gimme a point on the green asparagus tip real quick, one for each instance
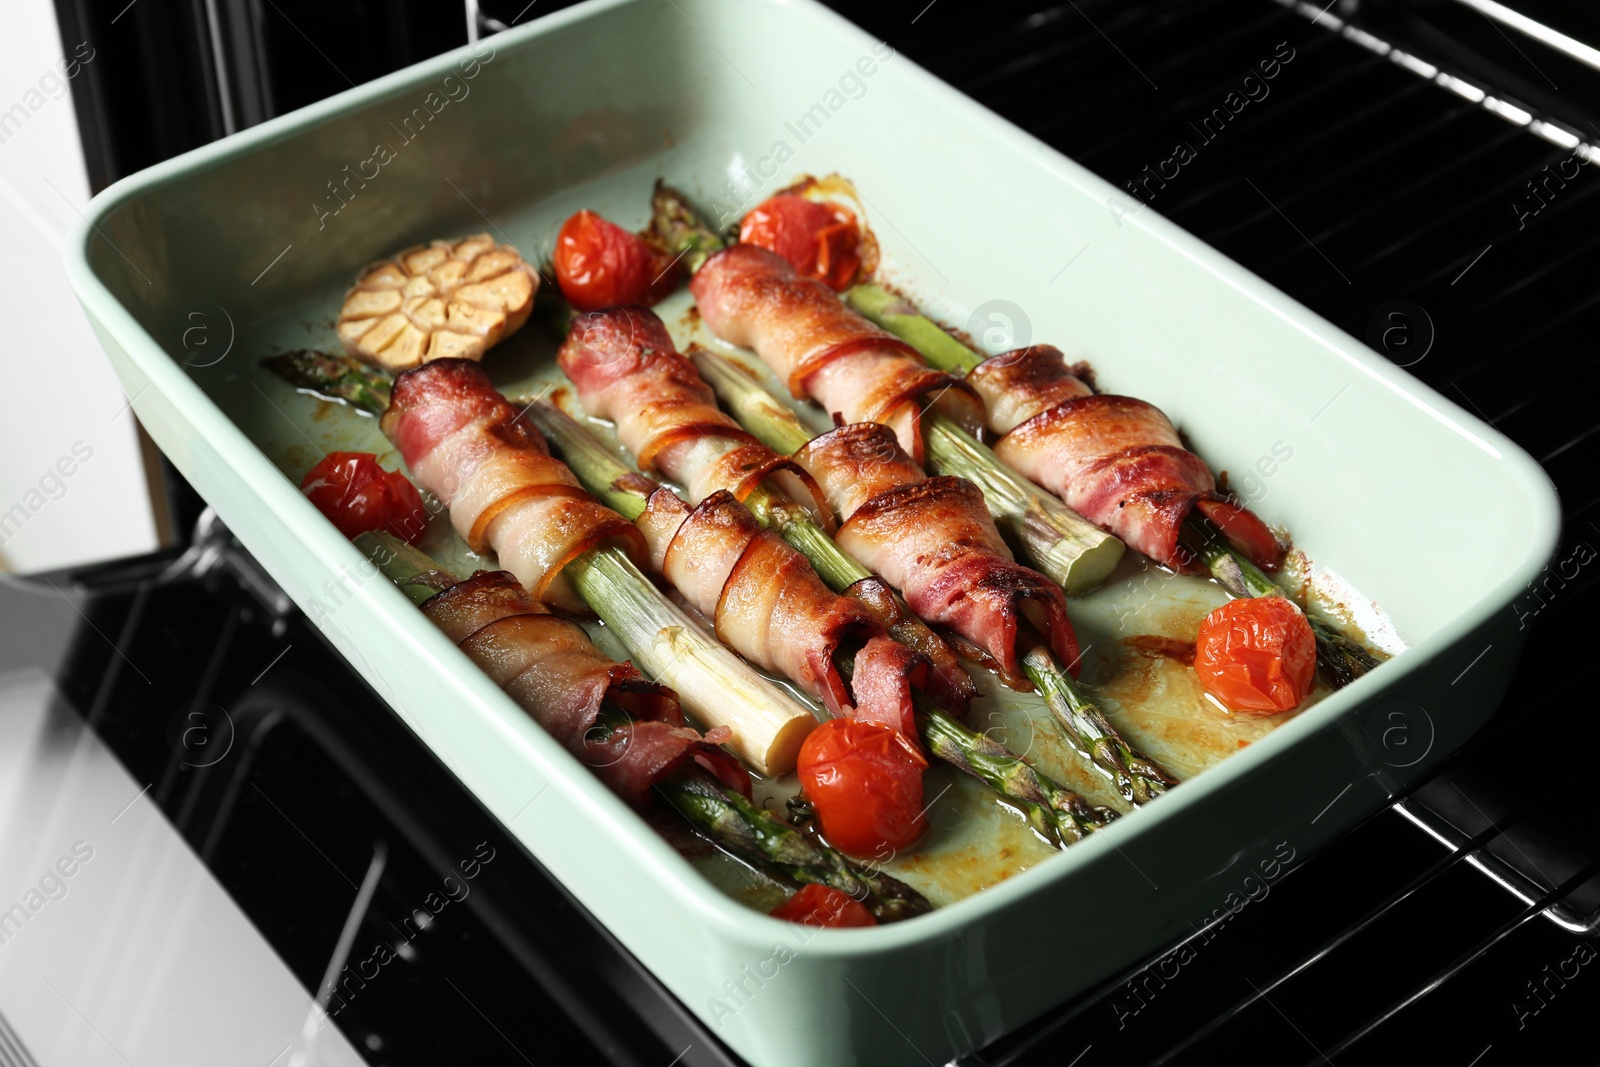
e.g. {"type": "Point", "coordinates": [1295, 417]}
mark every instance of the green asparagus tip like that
{"type": "Point", "coordinates": [334, 376]}
{"type": "Point", "coordinates": [1138, 778]}
{"type": "Point", "coordinates": [1342, 658]}
{"type": "Point", "coordinates": [756, 836]}
{"type": "Point", "coordinates": [680, 229]}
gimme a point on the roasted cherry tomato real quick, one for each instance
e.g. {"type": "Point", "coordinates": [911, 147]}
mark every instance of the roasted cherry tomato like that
{"type": "Point", "coordinates": [819, 240]}
{"type": "Point", "coordinates": [1256, 654]}
{"type": "Point", "coordinates": [600, 265]}
{"type": "Point", "coordinates": [823, 905]}
{"type": "Point", "coordinates": [865, 782]}
{"type": "Point", "coordinates": [358, 496]}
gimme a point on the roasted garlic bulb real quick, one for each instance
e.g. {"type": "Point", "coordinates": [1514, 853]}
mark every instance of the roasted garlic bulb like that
{"type": "Point", "coordinates": [448, 299]}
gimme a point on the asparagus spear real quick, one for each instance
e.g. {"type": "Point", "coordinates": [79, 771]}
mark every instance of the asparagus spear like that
{"type": "Point", "coordinates": [1057, 814]}
{"type": "Point", "coordinates": [339, 377]}
{"type": "Point", "coordinates": [724, 815]}
{"type": "Point", "coordinates": [1066, 547]}
{"type": "Point", "coordinates": [1054, 812]}
{"type": "Point", "coordinates": [717, 685]}
{"type": "Point", "coordinates": [1343, 659]}
{"type": "Point", "coordinates": [897, 315]}
{"type": "Point", "coordinates": [1055, 539]}
{"type": "Point", "coordinates": [1138, 778]}
{"type": "Point", "coordinates": [764, 841]}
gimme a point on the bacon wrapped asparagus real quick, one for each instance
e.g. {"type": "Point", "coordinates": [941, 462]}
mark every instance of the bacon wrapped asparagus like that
{"type": "Point", "coordinates": [1062, 544]}
{"type": "Point", "coordinates": [1057, 814]}
{"type": "Point", "coordinates": [770, 606]}
{"type": "Point", "coordinates": [626, 369]}
{"type": "Point", "coordinates": [934, 537]}
{"type": "Point", "coordinates": [469, 447]}
{"type": "Point", "coordinates": [822, 350]}
{"type": "Point", "coordinates": [549, 666]}
{"type": "Point", "coordinates": [1116, 459]}
{"type": "Point", "coordinates": [628, 730]}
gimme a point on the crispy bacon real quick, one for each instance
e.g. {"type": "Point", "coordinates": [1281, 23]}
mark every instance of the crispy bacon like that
{"type": "Point", "coordinates": [1017, 385]}
{"type": "Point", "coordinates": [770, 606]}
{"type": "Point", "coordinates": [935, 539]}
{"type": "Point", "coordinates": [822, 349]}
{"type": "Point", "coordinates": [626, 369]}
{"type": "Point", "coordinates": [465, 444]}
{"type": "Point", "coordinates": [552, 670]}
{"type": "Point", "coordinates": [1116, 460]}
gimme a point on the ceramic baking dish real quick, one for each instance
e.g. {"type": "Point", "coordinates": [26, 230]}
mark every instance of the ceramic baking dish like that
{"type": "Point", "coordinates": [1422, 507]}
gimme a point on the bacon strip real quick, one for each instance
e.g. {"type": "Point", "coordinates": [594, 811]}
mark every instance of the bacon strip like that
{"type": "Point", "coordinates": [935, 539]}
{"type": "Point", "coordinates": [857, 371]}
{"type": "Point", "coordinates": [1017, 385]}
{"type": "Point", "coordinates": [626, 369]}
{"type": "Point", "coordinates": [770, 607]}
{"type": "Point", "coordinates": [467, 446]}
{"type": "Point", "coordinates": [552, 670]}
{"type": "Point", "coordinates": [1116, 460]}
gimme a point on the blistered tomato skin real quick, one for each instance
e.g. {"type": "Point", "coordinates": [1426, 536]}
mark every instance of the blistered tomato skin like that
{"type": "Point", "coordinates": [1257, 654]}
{"type": "Point", "coordinates": [358, 496]}
{"type": "Point", "coordinates": [821, 905]}
{"type": "Point", "coordinates": [865, 782]}
{"type": "Point", "coordinates": [819, 240]}
{"type": "Point", "coordinates": [598, 265]}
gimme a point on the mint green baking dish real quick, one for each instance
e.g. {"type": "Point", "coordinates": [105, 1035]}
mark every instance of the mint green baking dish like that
{"type": "Point", "coordinates": [1429, 512]}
